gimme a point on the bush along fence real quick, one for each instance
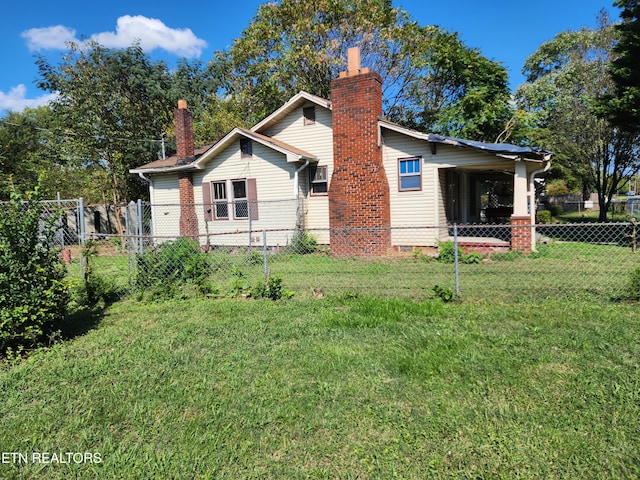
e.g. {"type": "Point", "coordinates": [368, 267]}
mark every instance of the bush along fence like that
{"type": "Point", "coordinates": [464, 261]}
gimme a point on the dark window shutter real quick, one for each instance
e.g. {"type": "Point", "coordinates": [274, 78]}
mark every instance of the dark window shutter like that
{"type": "Point", "coordinates": [252, 198]}
{"type": "Point", "coordinates": [206, 201]}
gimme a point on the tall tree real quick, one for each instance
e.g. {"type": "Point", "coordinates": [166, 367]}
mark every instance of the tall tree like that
{"type": "Point", "coordinates": [622, 106]}
{"type": "Point", "coordinates": [452, 89]}
{"type": "Point", "coordinates": [565, 77]}
{"type": "Point", "coordinates": [23, 149]}
{"type": "Point", "coordinates": [115, 105]}
{"type": "Point", "coordinates": [431, 80]}
{"type": "Point", "coordinates": [31, 149]}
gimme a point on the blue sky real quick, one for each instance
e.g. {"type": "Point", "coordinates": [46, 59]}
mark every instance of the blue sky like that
{"type": "Point", "coordinates": [507, 31]}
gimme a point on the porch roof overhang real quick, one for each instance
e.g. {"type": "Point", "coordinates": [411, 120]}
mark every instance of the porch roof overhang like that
{"type": "Point", "coordinates": [502, 150]}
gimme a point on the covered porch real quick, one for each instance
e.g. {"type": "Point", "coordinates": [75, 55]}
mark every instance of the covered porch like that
{"type": "Point", "coordinates": [493, 204]}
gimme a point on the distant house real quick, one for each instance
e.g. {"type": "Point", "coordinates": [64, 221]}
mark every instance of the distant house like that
{"type": "Point", "coordinates": [351, 176]}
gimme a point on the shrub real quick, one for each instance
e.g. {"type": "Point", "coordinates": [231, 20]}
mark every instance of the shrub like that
{"type": "Point", "coordinates": [271, 289]}
{"type": "Point", "coordinates": [172, 264]}
{"type": "Point", "coordinates": [445, 294]}
{"type": "Point", "coordinates": [447, 252]}
{"type": "Point", "coordinates": [471, 257]}
{"type": "Point", "coordinates": [33, 292]}
{"type": "Point", "coordinates": [256, 257]}
{"type": "Point", "coordinates": [633, 289]}
{"type": "Point", "coordinates": [544, 216]}
{"type": "Point", "coordinates": [555, 210]}
{"type": "Point", "coordinates": [303, 242]}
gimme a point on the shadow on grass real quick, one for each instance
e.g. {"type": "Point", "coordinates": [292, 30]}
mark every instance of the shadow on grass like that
{"type": "Point", "coordinates": [81, 320]}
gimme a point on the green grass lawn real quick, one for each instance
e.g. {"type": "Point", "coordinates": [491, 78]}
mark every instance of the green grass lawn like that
{"type": "Point", "coordinates": [341, 387]}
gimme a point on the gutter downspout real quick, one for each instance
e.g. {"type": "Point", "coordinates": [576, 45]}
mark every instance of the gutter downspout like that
{"type": "Point", "coordinates": [146, 179]}
{"type": "Point", "coordinates": [532, 199]}
{"type": "Point", "coordinates": [296, 189]}
{"type": "Point", "coordinates": [153, 214]}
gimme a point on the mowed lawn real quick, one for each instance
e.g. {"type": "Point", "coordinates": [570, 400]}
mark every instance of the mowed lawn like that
{"type": "Point", "coordinates": [340, 387]}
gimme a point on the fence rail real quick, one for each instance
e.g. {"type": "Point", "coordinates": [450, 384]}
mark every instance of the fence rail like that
{"type": "Point", "coordinates": [475, 261]}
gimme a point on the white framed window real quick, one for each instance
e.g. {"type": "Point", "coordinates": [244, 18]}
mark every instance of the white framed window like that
{"type": "Point", "coordinates": [220, 203]}
{"type": "Point", "coordinates": [240, 206]}
{"type": "Point", "coordinates": [409, 174]}
{"type": "Point", "coordinates": [245, 198]}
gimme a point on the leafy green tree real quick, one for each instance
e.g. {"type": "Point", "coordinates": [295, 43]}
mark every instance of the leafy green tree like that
{"type": "Point", "coordinates": [431, 80]}
{"type": "Point", "coordinates": [565, 78]}
{"type": "Point", "coordinates": [622, 106]}
{"type": "Point", "coordinates": [452, 89]}
{"type": "Point", "coordinates": [213, 116]}
{"type": "Point", "coordinates": [114, 105]}
{"type": "Point", "coordinates": [25, 149]}
{"type": "Point", "coordinates": [33, 294]}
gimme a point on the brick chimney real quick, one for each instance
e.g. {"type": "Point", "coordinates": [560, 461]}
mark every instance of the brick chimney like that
{"type": "Point", "coordinates": [185, 152]}
{"type": "Point", "coordinates": [359, 206]}
{"type": "Point", "coordinates": [184, 133]}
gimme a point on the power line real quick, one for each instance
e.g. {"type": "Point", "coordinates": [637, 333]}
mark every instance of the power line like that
{"type": "Point", "coordinates": [73, 134]}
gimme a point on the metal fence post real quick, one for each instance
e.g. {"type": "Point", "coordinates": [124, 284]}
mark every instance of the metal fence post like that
{"type": "Point", "coordinates": [140, 227]}
{"type": "Point", "coordinates": [264, 255]}
{"type": "Point", "coordinates": [250, 224]}
{"type": "Point", "coordinates": [455, 257]}
{"type": "Point", "coordinates": [81, 239]}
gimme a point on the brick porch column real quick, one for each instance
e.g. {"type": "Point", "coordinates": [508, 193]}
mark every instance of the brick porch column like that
{"type": "Point", "coordinates": [521, 229]}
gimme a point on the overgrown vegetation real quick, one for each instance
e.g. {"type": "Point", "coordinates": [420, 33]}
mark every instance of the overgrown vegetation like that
{"type": "Point", "coordinates": [447, 254]}
{"type": "Point", "coordinates": [33, 292]}
{"type": "Point", "coordinates": [164, 270]}
{"type": "Point", "coordinates": [303, 242]}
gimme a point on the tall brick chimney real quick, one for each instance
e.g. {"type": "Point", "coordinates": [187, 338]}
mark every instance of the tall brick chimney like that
{"type": "Point", "coordinates": [359, 206]}
{"type": "Point", "coordinates": [185, 152]}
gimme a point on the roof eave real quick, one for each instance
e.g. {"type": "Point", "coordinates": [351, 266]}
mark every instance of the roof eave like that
{"type": "Point", "coordinates": [176, 168]}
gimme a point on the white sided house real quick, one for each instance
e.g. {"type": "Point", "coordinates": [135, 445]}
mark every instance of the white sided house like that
{"type": "Point", "coordinates": [358, 183]}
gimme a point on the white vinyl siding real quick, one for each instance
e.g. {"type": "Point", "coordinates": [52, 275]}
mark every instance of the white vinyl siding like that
{"type": "Point", "coordinates": [410, 208]}
{"type": "Point", "coordinates": [316, 139]}
{"type": "Point", "coordinates": [165, 214]}
{"type": "Point", "coordinates": [274, 191]}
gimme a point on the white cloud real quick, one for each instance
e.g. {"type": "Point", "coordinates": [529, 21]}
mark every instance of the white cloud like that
{"type": "Point", "coordinates": [15, 100]}
{"type": "Point", "coordinates": [49, 37]}
{"type": "Point", "coordinates": [151, 33]}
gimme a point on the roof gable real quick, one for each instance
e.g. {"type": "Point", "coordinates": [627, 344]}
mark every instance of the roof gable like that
{"type": "Point", "coordinates": [294, 102]}
{"type": "Point", "coordinates": [292, 153]}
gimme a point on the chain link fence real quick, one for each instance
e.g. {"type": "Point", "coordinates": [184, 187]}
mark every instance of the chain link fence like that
{"type": "Point", "coordinates": [475, 261]}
